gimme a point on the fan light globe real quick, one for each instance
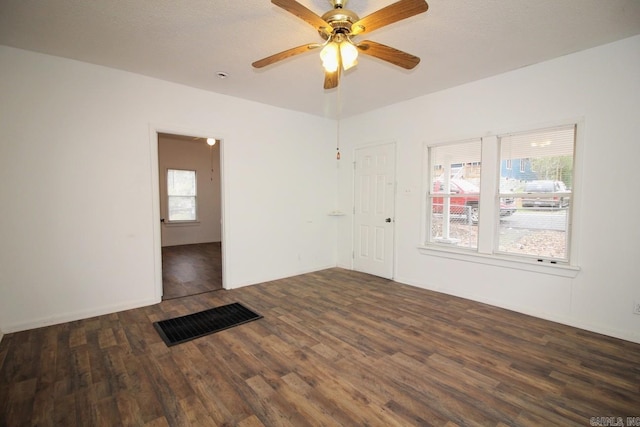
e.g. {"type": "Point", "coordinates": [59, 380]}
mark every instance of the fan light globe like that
{"type": "Point", "coordinates": [349, 55]}
{"type": "Point", "coordinates": [334, 53]}
{"type": "Point", "coordinates": [329, 56]}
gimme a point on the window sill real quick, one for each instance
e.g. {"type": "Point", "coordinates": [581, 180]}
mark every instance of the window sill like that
{"type": "Point", "coordinates": [181, 223]}
{"type": "Point", "coordinates": [546, 267]}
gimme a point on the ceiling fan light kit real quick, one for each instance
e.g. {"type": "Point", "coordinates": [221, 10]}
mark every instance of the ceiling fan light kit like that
{"type": "Point", "coordinates": [348, 54]}
{"type": "Point", "coordinates": [330, 56]}
{"type": "Point", "coordinates": [339, 50]}
{"type": "Point", "coordinates": [338, 27]}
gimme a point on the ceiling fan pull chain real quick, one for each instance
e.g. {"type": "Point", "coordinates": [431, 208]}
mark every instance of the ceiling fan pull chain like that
{"type": "Point", "coordinates": [338, 114]}
{"type": "Point", "coordinates": [338, 141]}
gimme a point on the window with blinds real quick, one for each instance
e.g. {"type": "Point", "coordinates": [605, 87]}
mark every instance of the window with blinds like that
{"type": "Point", "coordinates": [509, 195]}
{"type": "Point", "coordinates": [454, 194]}
{"type": "Point", "coordinates": [541, 190]}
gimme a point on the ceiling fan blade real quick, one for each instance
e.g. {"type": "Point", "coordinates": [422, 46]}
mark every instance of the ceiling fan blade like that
{"type": "Point", "coordinates": [284, 55]}
{"type": "Point", "coordinates": [395, 12]}
{"type": "Point", "coordinates": [331, 79]}
{"type": "Point", "coordinates": [389, 54]}
{"type": "Point", "coordinates": [305, 14]}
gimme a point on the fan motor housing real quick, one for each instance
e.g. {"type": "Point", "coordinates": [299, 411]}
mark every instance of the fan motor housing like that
{"type": "Point", "coordinates": [340, 20]}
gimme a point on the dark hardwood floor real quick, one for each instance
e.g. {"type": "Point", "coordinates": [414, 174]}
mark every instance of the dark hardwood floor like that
{"type": "Point", "coordinates": [335, 348]}
{"type": "Point", "coordinates": [191, 269]}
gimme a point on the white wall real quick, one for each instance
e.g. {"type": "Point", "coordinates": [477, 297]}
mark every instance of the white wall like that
{"type": "Point", "coordinates": [600, 86]}
{"type": "Point", "coordinates": [79, 230]}
{"type": "Point", "coordinates": [174, 153]}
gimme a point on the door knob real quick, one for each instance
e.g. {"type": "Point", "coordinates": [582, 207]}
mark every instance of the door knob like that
{"type": "Point", "coordinates": [387, 220]}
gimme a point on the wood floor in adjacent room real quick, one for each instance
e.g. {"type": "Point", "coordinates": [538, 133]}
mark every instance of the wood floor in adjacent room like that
{"type": "Point", "coordinates": [191, 269]}
{"type": "Point", "coordinates": [335, 348]}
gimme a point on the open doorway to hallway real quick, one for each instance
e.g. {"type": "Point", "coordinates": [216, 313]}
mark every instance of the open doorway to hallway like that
{"type": "Point", "coordinates": [190, 214]}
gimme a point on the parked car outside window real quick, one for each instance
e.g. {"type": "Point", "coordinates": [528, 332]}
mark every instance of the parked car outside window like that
{"type": "Point", "coordinates": [558, 195]}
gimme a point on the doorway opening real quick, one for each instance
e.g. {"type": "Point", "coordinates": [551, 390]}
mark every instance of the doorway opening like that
{"type": "Point", "coordinates": [190, 211]}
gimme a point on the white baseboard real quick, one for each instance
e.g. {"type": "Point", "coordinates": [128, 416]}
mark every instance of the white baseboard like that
{"type": "Point", "coordinates": [78, 315]}
{"type": "Point", "coordinates": [599, 329]}
{"type": "Point", "coordinates": [286, 276]}
{"type": "Point", "coordinates": [99, 311]}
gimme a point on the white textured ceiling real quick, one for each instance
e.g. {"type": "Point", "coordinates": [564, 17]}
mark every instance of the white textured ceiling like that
{"type": "Point", "coordinates": [189, 41]}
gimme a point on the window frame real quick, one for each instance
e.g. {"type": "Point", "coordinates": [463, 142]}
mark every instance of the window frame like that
{"type": "Point", "coordinates": [169, 196]}
{"type": "Point", "coordinates": [542, 194]}
{"type": "Point", "coordinates": [488, 232]}
{"type": "Point", "coordinates": [431, 195]}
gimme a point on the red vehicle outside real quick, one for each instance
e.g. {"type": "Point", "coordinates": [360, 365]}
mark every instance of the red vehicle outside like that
{"type": "Point", "coordinates": [464, 200]}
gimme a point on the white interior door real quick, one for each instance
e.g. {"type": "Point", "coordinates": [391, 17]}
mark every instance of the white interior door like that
{"type": "Point", "coordinates": [374, 210]}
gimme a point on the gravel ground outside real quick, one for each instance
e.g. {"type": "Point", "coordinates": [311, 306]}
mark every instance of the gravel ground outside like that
{"type": "Point", "coordinates": [542, 243]}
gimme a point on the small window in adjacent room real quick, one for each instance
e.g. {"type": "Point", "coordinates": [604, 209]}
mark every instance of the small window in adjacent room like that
{"type": "Point", "coordinates": [541, 192]}
{"type": "Point", "coordinates": [454, 194]}
{"type": "Point", "coordinates": [181, 192]}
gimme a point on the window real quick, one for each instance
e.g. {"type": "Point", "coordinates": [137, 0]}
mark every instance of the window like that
{"type": "Point", "coordinates": [454, 193]}
{"type": "Point", "coordinates": [181, 191]}
{"type": "Point", "coordinates": [540, 226]}
{"type": "Point", "coordinates": [520, 213]}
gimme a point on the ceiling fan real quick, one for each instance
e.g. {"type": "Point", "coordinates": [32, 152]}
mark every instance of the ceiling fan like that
{"type": "Point", "coordinates": [339, 26]}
